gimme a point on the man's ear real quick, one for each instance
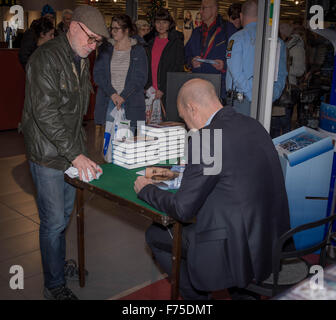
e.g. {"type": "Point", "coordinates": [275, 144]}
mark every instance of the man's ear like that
{"type": "Point", "coordinates": [192, 108]}
{"type": "Point", "coordinates": [73, 27]}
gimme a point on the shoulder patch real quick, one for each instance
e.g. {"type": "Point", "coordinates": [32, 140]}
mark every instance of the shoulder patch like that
{"type": "Point", "coordinates": [230, 45]}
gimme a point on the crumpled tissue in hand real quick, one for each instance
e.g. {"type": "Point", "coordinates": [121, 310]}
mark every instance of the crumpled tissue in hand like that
{"type": "Point", "coordinates": [72, 172]}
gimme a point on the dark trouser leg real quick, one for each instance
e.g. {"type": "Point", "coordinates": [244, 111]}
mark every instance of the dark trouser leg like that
{"type": "Point", "coordinates": [160, 241]}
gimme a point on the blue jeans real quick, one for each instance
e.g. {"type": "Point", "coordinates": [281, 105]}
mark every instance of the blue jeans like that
{"type": "Point", "coordinates": [55, 201]}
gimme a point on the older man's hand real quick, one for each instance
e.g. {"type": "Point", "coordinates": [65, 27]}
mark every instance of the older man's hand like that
{"type": "Point", "coordinates": [82, 163]}
{"type": "Point", "coordinates": [141, 182]}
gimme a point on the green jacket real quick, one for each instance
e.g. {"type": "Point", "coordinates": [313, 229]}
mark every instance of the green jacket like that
{"type": "Point", "coordinates": [56, 100]}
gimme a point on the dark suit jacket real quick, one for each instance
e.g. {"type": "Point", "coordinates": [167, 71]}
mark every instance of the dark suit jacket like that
{"type": "Point", "coordinates": [240, 212]}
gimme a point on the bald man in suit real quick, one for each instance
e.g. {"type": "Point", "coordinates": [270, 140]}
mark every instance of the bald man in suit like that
{"type": "Point", "coordinates": [240, 202]}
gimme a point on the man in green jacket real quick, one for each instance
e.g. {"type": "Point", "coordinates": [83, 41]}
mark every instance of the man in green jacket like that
{"type": "Point", "coordinates": [56, 99]}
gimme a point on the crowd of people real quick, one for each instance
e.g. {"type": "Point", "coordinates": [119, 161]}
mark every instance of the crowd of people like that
{"type": "Point", "coordinates": [241, 210]}
{"type": "Point", "coordinates": [228, 44]}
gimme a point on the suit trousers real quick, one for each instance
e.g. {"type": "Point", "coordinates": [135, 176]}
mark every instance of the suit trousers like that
{"type": "Point", "coordinates": [160, 240]}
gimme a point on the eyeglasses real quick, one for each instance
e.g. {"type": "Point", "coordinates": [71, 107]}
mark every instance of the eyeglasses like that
{"type": "Point", "coordinates": [91, 39]}
{"type": "Point", "coordinates": [115, 29]}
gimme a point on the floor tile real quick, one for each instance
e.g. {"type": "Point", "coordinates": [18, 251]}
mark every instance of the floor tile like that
{"type": "Point", "coordinates": [19, 245]}
{"type": "Point", "coordinates": [15, 227]}
{"type": "Point", "coordinates": [33, 288]}
{"type": "Point", "coordinates": [7, 213]}
{"type": "Point", "coordinates": [35, 218]}
{"type": "Point", "coordinates": [16, 198]}
{"type": "Point", "coordinates": [12, 161]}
{"type": "Point", "coordinates": [12, 143]}
{"type": "Point", "coordinates": [116, 254]}
{"type": "Point", "coordinates": [27, 208]}
{"type": "Point", "coordinates": [30, 262]}
{"type": "Point", "coordinates": [3, 281]}
{"type": "Point", "coordinates": [6, 293]}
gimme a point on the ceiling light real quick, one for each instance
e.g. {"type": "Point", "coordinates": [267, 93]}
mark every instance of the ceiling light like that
{"type": "Point", "coordinates": [297, 2]}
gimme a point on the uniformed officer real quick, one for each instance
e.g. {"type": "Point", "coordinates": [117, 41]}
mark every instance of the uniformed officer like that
{"type": "Point", "coordinates": [240, 62]}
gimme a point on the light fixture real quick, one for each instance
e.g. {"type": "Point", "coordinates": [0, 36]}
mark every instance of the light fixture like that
{"type": "Point", "coordinates": [297, 2]}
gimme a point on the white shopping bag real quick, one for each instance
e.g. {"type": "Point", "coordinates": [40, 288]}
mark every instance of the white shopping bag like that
{"type": "Point", "coordinates": [117, 127]}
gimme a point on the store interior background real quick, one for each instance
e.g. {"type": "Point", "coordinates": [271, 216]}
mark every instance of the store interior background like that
{"type": "Point", "coordinates": [117, 257]}
{"type": "Point", "coordinates": [291, 10]}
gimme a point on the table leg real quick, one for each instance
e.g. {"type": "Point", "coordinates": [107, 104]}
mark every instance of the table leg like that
{"type": "Point", "coordinates": [80, 235]}
{"type": "Point", "coordinates": [176, 256]}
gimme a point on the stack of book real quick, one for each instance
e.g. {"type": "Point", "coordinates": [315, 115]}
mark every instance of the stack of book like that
{"type": "Point", "coordinates": [135, 152]}
{"type": "Point", "coordinates": [171, 138]}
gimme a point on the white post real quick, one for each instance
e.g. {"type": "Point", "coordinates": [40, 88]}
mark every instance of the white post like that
{"type": "Point", "coordinates": [272, 64]}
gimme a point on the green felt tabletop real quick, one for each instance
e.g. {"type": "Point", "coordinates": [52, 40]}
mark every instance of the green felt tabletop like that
{"type": "Point", "coordinates": [120, 181]}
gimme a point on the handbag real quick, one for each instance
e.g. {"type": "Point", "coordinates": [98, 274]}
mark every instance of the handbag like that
{"type": "Point", "coordinates": [154, 107]}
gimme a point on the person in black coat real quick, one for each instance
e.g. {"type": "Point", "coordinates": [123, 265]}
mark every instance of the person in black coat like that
{"type": "Point", "coordinates": [239, 201]}
{"type": "Point", "coordinates": [40, 31]}
{"type": "Point", "coordinates": [165, 54]}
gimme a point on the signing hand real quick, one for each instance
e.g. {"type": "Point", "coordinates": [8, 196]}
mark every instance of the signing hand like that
{"type": "Point", "coordinates": [82, 163]}
{"type": "Point", "coordinates": [195, 63]}
{"type": "Point", "coordinates": [141, 182]}
{"type": "Point", "coordinates": [219, 65]}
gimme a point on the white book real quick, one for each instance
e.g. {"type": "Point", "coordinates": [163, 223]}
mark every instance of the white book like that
{"type": "Point", "coordinates": [163, 158]}
{"type": "Point", "coordinates": [170, 141]}
{"type": "Point", "coordinates": [135, 142]}
{"type": "Point", "coordinates": [163, 126]}
{"type": "Point", "coordinates": [171, 144]}
{"type": "Point", "coordinates": [126, 155]}
{"type": "Point", "coordinates": [179, 151]}
{"type": "Point", "coordinates": [162, 134]}
{"type": "Point", "coordinates": [129, 150]}
{"type": "Point", "coordinates": [173, 152]}
{"type": "Point", "coordinates": [137, 165]}
{"type": "Point", "coordinates": [171, 148]}
{"type": "Point", "coordinates": [136, 159]}
{"type": "Point", "coordinates": [170, 133]}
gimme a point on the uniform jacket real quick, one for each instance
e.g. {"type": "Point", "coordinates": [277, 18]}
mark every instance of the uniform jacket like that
{"type": "Point", "coordinates": [136, 79]}
{"type": "Point", "coordinates": [240, 61]}
{"type": "Point", "coordinates": [56, 100]}
{"type": "Point", "coordinates": [240, 212]}
{"type": "Point", "coordinates": [172, 60]}
{"type": "Point", "coordinates": [218, 51]}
